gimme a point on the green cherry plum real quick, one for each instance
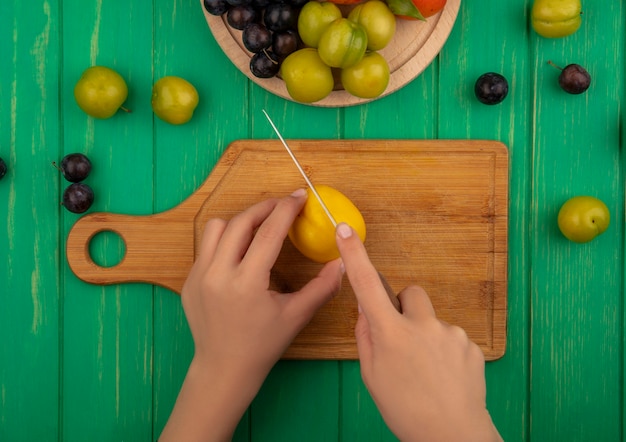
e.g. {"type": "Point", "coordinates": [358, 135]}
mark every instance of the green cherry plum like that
{"type": "Point", "coordinates": [174, 99]}
{"type": "Point", "coordinates": [307, 77]}
{"type": "Point", "coordinates": [377, 20]}
{"type": "Point", "coordinates": [368, 78]}
{"type": "Point", "coordinates": [100, 92]}
{"type": "Point", "coordinates": [556, 18]}
{"type": "Point", "coordinates": [313, 20]}
{"type": "Point", "coordinates": [582, 218]}
{"type": "Point", "coordinates": [343, 43]}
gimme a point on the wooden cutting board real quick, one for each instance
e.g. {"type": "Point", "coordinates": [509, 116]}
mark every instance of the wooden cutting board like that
{"type": "Point", "coordinates": [436, 213]}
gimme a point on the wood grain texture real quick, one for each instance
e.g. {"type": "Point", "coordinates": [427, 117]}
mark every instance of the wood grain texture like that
{"type": "Point", "coordinates": [30, 287]}
{"type": "Point", "coordinates": [86, 362]}
{"type": "Point", "coordinates": [414, 46]}
{"type": "Point", "coordinates": [578, 290]}
{"type": "Point", "coordinates": [107, 335]}
{"type": "Point", "coordinates": [433, 209]}
{"type": "Point", "coordinates": [183, 156]}
{"type": "Point", "coordinates": [504, 46]}
{"type": "Point", "coordinates": [417, 116]}
{"type": "Point", "coordinates": [319, 410]}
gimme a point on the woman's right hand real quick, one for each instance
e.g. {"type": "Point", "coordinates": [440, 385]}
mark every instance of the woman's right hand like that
{"type": "Point", "coordinates": [425, 376]}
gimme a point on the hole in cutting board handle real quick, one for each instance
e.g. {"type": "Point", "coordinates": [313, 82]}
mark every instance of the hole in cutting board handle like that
{"type": "Point", "coordinates": [107, 248]}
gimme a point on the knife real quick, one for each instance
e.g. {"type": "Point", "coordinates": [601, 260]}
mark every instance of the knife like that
{"type": "Point", "coordinates": [304, 175]}
{"type": "Point", "coordinates": [392, 295]}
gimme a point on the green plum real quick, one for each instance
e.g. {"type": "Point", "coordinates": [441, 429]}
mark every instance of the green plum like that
{"type": "Point", "coordinates": [582, 218]}
{"type": "Point", "coordinates": [556, 18]}
{"type": "Point", "coordinates": [313, 20]}
{"type": "Point", "coordinates": [100, 92]}
{"type": "Point", "coordinates": [343, 43]}
{"type": "Point", "coordinates": [307, 77]}
{"type": "Point", "coordinates": [174, 99]}
{"type": "Point", "coordinates": [377, 20]}
{"type": "Point", "coordinates": [368, 78]}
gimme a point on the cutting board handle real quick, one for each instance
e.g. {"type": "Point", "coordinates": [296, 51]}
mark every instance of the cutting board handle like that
{"type": "Point", "coordinates": [145, 259]}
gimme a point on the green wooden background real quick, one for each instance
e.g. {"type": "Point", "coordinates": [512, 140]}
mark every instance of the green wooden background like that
{"type": "Point", "coordinates": [82, 362]}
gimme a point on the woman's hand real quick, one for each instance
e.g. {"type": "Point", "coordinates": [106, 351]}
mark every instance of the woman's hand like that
{"type": "Point", "coordinates": [239, 326]}
{"type": "Point", "coordinates": [425, 376]}
{"type": "Point", "coordinates": [235, 319]}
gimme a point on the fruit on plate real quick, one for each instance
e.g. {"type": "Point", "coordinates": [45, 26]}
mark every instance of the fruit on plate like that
{"type": "Point", "coordinates": [256, 37]}
{"type": "Point", "coordinates": [346, 2]}
{"type": "Point", "coordinates": [313, 234]}
{"type": "Point", "coordinates": [491, 88]}
{"type": "Point", "coordinates": [416, 9]}
{"type": "Point", "coordinates": [264, 64]}
{"type": "Point", "coordinates": [269, 29]}
{"type": "Point", "coordinates": [307, 77]}
{"type": "Point", "coordinates": [555, 18]}
{"type": "Point", "coordinates": [368, 78]}
{"type": "Point", "coordinates": [174, 99]}
{"type": "Point", "coordinates": [428, 8]}
{"type": "Point", "coordinates": [78, 197]}
{"type": "Point", "coordinates": [313, 20]}
{"type": "Point", "coordinates": [377, 20]}
{"type": "Point", "coordinates": [278, 31]}
{"type": "Point", "coordinates": [239, 16]}
{"type": "Point", "coordinates": [100, 92]}
{"type": "Point", "coordinates": [342, 44]}
{"type": "Point", "coordinates": [3, 168]}
{"type": "Point", "coordinates": [280, 17]}
{"type": "Point", "coordinates": [582, 218]}
{"type": "Point", "coordinates": [285, 42]}
{"type": "Point", "coordinates": [574, 79]}
{"type": "Point", "coordinates": [75, 167]}
{"type": "Point", "coordinates": [216, 7]}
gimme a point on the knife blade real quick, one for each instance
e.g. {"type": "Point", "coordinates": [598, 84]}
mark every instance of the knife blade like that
{"type": "Point", "coordinates": [392, 295]}
{"type": "Point", "coordinates": [304, 175]}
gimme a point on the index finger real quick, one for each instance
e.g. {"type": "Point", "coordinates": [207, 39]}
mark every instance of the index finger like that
{"type": "Point", "coordinates": [363, 277]}
{"type": "Point", "coordinates": [268, 240]}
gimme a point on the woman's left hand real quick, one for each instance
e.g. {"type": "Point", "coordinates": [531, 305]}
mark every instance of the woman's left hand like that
{"type": "Point", "coordinates": [239, 326]}
{"type": "Point", "coordinates": [235, 319]}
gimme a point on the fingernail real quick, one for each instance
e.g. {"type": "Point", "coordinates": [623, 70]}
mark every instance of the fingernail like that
{"type": "Point", "coordinates": [344, 231]}
{"type": "Point", "coordinates": [299, 193]}
{"type": "Point", "coordinates": [342, 268]}
{"type": "Point", "coordinates": [358, 307]}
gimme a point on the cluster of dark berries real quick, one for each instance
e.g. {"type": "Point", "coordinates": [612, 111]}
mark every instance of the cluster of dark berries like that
{"type": "Point", "coordinates": [269, 29]}
{"type": "Point", "coordinates": [78, 196]}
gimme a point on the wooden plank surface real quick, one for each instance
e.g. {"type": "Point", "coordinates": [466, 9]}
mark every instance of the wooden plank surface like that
{"type": "Point", "coordinates": [107, 336]}
{"type": "Point", "coordinates": [30, 291]}
{"type": "Point", "coordinates": [105, 363]}
{"type": "Point", "coordinates": [182, 160]}
{"type": "Point", "coordinates": [504, 47]}
{"type": "Point", "coordinates": [577, 291]}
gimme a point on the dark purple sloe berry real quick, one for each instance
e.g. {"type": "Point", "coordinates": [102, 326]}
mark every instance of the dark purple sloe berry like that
{"type": "Point", "coordinates": [491, 88]}
{"type": "Point", "coordinates": [78, 197]}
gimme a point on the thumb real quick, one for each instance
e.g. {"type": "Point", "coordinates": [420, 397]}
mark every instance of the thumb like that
{"type": "Point", "coordinates": [304, 303]}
